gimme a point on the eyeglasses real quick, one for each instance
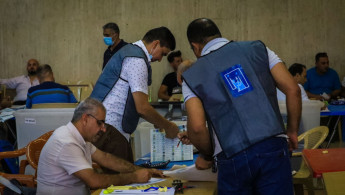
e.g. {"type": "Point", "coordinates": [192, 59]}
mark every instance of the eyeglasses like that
{"type": "Point", "coordinates": [100, 123]}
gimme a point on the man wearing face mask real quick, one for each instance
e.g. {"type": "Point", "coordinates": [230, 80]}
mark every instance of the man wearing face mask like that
{"type": "Point", "coordinates": [23, 83]}
{"type": "Point", "coordinates": [123, 89]}
{"type": "Point", "coordinates": [111, 33]}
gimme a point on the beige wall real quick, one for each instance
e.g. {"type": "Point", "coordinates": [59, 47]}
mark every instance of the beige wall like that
{"type": "Point", "coordinates": [67, 34]}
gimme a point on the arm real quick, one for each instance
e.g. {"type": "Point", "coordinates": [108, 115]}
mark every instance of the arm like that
{"type": "Point", "coordinates": [335, 93]}
{"type": "Point", "coordinates": [112, 162]}
{"type": "Point", "coordinates": [95, 180]}
{"type": "Point", "coordinates": [151, 115]}
{"type": "Point", "coordinates": [314, 96]}
{"type": "Point", "coordinates": [138, 84]}
{"type": "Point", "coordinates": [10, 83]}
{"type": "Point", "coordinates": [198, 133]}
{"type": "Point", "coordinates": [289, 87]}
{"type": "Point", "coordinates": [163, 93]}
{"type": "Point", "coordinates": [117, 164]}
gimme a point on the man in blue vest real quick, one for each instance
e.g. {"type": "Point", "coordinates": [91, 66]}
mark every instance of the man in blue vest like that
{"type": "Point", "coordinates": [232, 86]}
{"type": "Point", "coordinates": [123, 87]}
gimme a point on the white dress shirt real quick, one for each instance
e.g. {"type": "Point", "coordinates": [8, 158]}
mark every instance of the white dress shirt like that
{"type": "Point", "coordinates": [21, 84]}
{"type": "Point", "coordinates": [65, 153]}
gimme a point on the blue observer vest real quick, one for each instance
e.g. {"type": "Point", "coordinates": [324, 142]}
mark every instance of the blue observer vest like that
{"type": "Point", "coordinates": [241, 106]}
{"type": "Point", "coordinates": [110, 76]}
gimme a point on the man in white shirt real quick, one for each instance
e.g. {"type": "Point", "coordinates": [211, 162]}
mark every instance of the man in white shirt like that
{"type": "Point", "coordinates": [65, 164]}
{"type": "Point", "coordinates": [23, 83]}
{"type": "Point", "coordinates": [123, 89]}
{"type": "Point", "coordinates": [299, 73]}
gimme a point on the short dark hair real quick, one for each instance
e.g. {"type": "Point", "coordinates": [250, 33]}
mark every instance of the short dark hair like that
{"type": "Point", "coordinates": [201, 29]}
{"type": "Point", "coordinates": [320, 55]}
{"type": "Point", "coordinates": [173, 55]}
{"type": "Point", "coordinates": [112, 26]}
{"type": "Point", "coordinates": [162, 34]}
{"type": "Point", "coordinates": [43, 71]}
{"type": "Point", "coordinates": [296, 69]}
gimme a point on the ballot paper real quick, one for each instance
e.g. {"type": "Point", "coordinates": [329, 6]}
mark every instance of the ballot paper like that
{"type": "Point", "coordinates": [163, 149]}
{"type": "Point", "coordinates": [151, 181]}
{"type": "Point", "coordinates": [140, 188]}
{"type": "Point", "coordinates": [190, 173]}
{"type": "Point", "coordinates": [170, 191]}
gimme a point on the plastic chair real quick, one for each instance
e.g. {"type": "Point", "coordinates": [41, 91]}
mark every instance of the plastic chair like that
{"type": "Point", "coordinates": [32, 152]}
{"type": "Point", "coordinates": [313, 138]}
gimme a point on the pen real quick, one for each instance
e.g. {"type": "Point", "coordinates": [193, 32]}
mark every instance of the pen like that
{"type": "Point", "coordinates": [178, 143]}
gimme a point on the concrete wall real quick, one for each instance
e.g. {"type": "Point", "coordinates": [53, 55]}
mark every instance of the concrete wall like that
{"type": "Point", "coordinates": [67, 34]}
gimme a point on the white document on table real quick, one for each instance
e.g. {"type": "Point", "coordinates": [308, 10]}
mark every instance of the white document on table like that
{"type": "Point", "coordinates": [151, 181]}
{"type": "Point", "coordinates": [190, 173]}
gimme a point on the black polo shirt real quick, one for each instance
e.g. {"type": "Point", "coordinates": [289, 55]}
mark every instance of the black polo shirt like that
{"type": "Point", "coordinates": [108, 53]}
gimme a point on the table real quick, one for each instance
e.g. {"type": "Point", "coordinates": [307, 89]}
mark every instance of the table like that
{"type": "Point", "coordinates": [322, 161]}
{"type": "Point", "coordinates": [334, 182]}
{"type": "Point", "coordinates": [335, 111]}
{"type": "Point", "coordinates": [200, 187]}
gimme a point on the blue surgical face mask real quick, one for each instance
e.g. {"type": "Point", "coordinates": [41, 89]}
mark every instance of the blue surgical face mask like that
{"type": "Point", "coordinates": [108, 41]}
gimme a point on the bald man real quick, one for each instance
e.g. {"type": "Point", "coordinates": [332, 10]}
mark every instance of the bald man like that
{"type": "Point", "coordinates": [23, 83]}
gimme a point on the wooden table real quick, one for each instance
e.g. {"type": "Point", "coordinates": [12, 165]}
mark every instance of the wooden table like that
{"type": "Point", "coordinates": [324, 160]}
{"type": "Point", "coordinates": [334, 182]}
{"type": "Point", "coordinates": [200, 187]}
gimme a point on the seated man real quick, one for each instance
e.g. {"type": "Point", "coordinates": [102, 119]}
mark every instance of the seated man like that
{"type": "Point", "coordinates": [48, 91]}
{"type": "Point", "coordinates": [322, 82]}
{"type": "Point", "coordinates": [65, 164]}
{"type": "Point", "coordinates": [299, 73]}
{"type": "Point", "coordinates": [170, 85]}
{"type": "Point", "coordinates": [23, 83]}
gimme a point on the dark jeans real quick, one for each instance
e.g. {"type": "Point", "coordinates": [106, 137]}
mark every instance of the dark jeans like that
{"type": "Point", "coordinates": [264, 168]}
{"type": "Point", "coordinates": [113, 142]}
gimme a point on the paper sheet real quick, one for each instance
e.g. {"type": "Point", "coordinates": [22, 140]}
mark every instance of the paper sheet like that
{"type": "Point", "coordinates": [190, 173]}
{"type": "Point", "coordinates": [170, 191]}
{"type": "Point", "coordinates": [151, 181]}
{"type": "Point", "coordinates": [163, 149]}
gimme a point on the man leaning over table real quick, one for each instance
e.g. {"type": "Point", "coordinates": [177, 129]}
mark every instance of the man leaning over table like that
{"type": "Point", "coordinates": [123, 87]}
{"type": "Point", "coordinates": [232, 86]}
{"type": "Point", "coordinates": [65, 164]}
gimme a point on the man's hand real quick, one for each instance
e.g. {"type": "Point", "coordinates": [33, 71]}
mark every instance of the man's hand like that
{"type": "Point", "coordinates": [172, 131]}
{"type": "Point", "coordinates": [293, 139]}
{"type": "Point", "coordinates": [142, 175]}
{"type": "Point", "coordinates": [183, 136]}
{"type": "Point", "coordinates": [156, 172]}
{"type": "Point", "coordinates": [202, 164]}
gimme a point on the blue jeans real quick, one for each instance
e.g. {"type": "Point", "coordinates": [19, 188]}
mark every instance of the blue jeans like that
{"type": "Point", "coordinates": [263, 168]}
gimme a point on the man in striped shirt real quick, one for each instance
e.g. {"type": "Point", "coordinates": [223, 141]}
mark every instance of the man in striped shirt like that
{"type": "Point", "coordinates": [48, 91]}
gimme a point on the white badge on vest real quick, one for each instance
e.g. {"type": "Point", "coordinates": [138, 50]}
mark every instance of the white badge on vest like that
{"type": "Point", "coordinates": [236, 80]}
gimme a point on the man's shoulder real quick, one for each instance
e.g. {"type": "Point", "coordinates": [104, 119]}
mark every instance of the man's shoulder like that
{"type": "Point", "coordinates": [311, 70]}
{"type": "Point", "coordinates": [47, 86]}
{"type": "Point", "coordinates": [169, 75]}
{"type": "Point", "coordinates": [332, 71]}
